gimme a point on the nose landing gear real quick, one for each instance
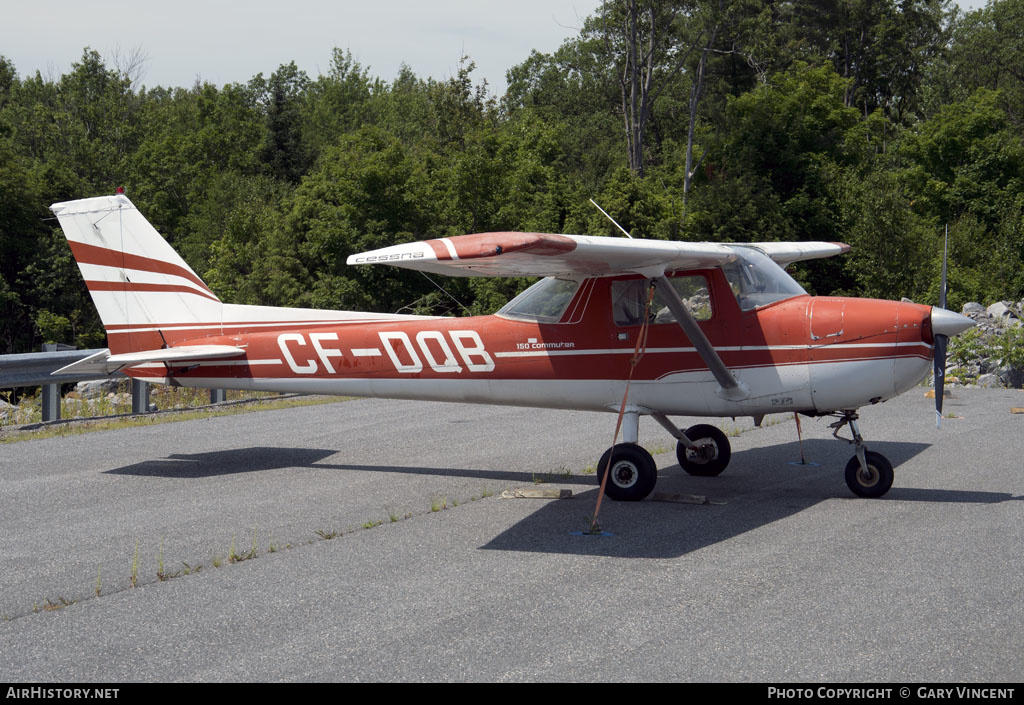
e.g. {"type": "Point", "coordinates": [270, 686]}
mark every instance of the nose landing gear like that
{"type": "Point", "coordinates": [868, 474]}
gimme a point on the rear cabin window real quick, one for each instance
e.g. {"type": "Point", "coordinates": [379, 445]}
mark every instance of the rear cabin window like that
{"type": "Point", "coordinates": [545, 301]}
{"type": "Point", "coordinates": [630, 297]}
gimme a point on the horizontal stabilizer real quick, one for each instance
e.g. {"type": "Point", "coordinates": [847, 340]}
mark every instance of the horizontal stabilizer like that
{"type": "Point", "coordinates": [103, 363]}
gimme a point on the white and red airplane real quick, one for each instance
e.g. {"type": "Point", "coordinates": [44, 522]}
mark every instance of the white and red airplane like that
{"type": "Point", "coordinates": [727, 333]}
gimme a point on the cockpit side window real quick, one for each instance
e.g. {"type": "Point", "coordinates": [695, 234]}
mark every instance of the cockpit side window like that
{"type": "Point", "coordinates": [629, 298]}
{"type": "Point", "coordinates": [757, 280]}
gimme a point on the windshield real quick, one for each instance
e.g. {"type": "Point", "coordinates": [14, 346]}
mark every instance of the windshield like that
{"type": "Point", "coordinates": [757, 280]}
{"type": "Point", "coordinates": [544, 301]}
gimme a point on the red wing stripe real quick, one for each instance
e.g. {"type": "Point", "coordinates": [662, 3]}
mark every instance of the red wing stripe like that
{"type": "Point", "coordinates": [161, 288]}
{"type": "Point", "coordinates": [440, 251]}
{"type": "Point", "coordinates": [94, 254]}
{"type": "Point", "coordinates": [492, 244]}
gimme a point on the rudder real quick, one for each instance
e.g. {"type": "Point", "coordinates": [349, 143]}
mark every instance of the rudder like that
{"type": "Point", "coordinates": [142, 288]}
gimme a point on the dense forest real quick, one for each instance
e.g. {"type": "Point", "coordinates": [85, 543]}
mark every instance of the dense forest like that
{"type": "Point", "coordinates": [873, 122]}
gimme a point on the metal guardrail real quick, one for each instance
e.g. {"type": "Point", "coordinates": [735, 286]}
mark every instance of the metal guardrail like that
{"type": "Point", "coordinates": [35, 369]}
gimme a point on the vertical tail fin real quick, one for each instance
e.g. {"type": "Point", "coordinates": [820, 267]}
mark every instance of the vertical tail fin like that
{"type": "Point", "coordinates": [137, 281]}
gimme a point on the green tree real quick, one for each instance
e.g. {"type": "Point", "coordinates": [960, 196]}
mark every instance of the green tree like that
{"type": "Point", "coordinates": [252, 259]}
{"type": "Point", "coordinates": [283, 96]}
{"type": "Point", "coordinates": [776, 158]}
{"type": "Point", "coordinates": [194, 137]}
{"type": "Point", "coordinates": [336, 103]}
{"type": "Point", "coordinates": [360, 198]}
{"type": "Point", "coordinates": [965, 168]}
{"type": "Point", "coordinates": [987, 51]}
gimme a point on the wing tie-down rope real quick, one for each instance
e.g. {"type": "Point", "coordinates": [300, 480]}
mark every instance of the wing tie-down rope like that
{"type": "Point", "coordinates": [638, 352]}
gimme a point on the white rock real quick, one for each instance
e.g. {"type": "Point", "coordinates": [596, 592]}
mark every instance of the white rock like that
{"type": "Point", "coordinates": [1001, 309]}
{"type": "Point", "coordinates": [989, 380]}
{"type": "Point", "coordinates": [98, 388]}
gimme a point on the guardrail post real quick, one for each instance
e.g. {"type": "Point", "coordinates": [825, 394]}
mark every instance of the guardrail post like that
{"type": "Point", "coordinates": [51, 392]}
{"type": "Point", "coordinates": [217, 396]}
{"type": "Point", "coordinates": [140, 396]}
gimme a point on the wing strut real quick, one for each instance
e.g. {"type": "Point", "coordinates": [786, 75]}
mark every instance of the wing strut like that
{"type": "Point", "coordinates": [731, 388]}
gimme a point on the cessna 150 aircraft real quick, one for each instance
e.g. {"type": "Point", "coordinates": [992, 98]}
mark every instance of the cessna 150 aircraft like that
{"type": "Point", "coordinates": [639, 327]}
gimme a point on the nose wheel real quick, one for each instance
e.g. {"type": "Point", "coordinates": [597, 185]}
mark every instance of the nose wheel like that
{"type": "Point", "coordinates": [875, 480]}
{"type": "Point", "coordinates": [868, 474]}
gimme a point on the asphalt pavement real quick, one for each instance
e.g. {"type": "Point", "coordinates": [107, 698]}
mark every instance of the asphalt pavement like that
{"type": "Point", "coordinates": [368, 540]}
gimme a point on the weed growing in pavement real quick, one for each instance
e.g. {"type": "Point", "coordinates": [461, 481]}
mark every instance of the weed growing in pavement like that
{"type": "Point", "coordinates": [135, 566]}
{"type": "Point", "coordinates": [50, 606]}
{"type": "Point", "coordinates": [161, 575]}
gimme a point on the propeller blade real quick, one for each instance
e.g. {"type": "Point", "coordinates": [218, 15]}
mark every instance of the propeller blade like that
{"type": "Point", "coordinates": [940, 376]}
{"type": "Point", "coordinates": [941, 341]}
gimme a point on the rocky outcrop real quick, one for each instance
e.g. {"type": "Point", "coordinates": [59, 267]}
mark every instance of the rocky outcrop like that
{"type": "Point", "coordinates": [992, 353]}
{"type": "Point", "coordinates": [95, 389]}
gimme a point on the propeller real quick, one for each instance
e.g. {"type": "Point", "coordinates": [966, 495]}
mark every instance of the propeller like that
{"type": "Point", "coordinates": [941, 341]}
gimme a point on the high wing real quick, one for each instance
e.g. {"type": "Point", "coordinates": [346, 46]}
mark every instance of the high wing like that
{"type": "Point", "coordinates": [785, 253]}
{"type": "Point", "coordinates": [513, 254]}
{"type": "Point", "coordinates": [510, 254]}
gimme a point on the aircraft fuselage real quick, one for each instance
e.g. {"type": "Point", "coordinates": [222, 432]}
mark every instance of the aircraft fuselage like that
{"type": "Point", "coordinates": [813, 354]}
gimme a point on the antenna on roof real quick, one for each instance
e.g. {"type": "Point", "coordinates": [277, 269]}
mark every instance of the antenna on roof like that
{"type": "Point", "coordinates": [611, 219]}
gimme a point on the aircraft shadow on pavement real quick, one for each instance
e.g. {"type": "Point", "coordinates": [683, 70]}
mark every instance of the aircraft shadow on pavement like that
{"type": "Point", "coordinates": [760, 486]}
{"type": "Point", "coordinates": [224, 462]}
{"type": "Point", "coordinates": [242, 460]}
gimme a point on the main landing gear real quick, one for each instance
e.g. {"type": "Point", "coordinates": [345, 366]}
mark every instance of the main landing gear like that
{"type": "Point", "coordinates": [708, 452]}
{"type": "Point", "coordinates": [632, 473]}
{"type": "Point", "coordinates": [868, 474]}
{"type": "Point", "coordinates": [704, 451]}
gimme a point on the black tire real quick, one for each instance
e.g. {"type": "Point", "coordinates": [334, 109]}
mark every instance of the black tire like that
{"type": "Point", "coordinates": [712, 458]}
{"type": "Point", "coordinates": [879, 479]}
{"type": "Point", "coordinates": [632, 472]}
